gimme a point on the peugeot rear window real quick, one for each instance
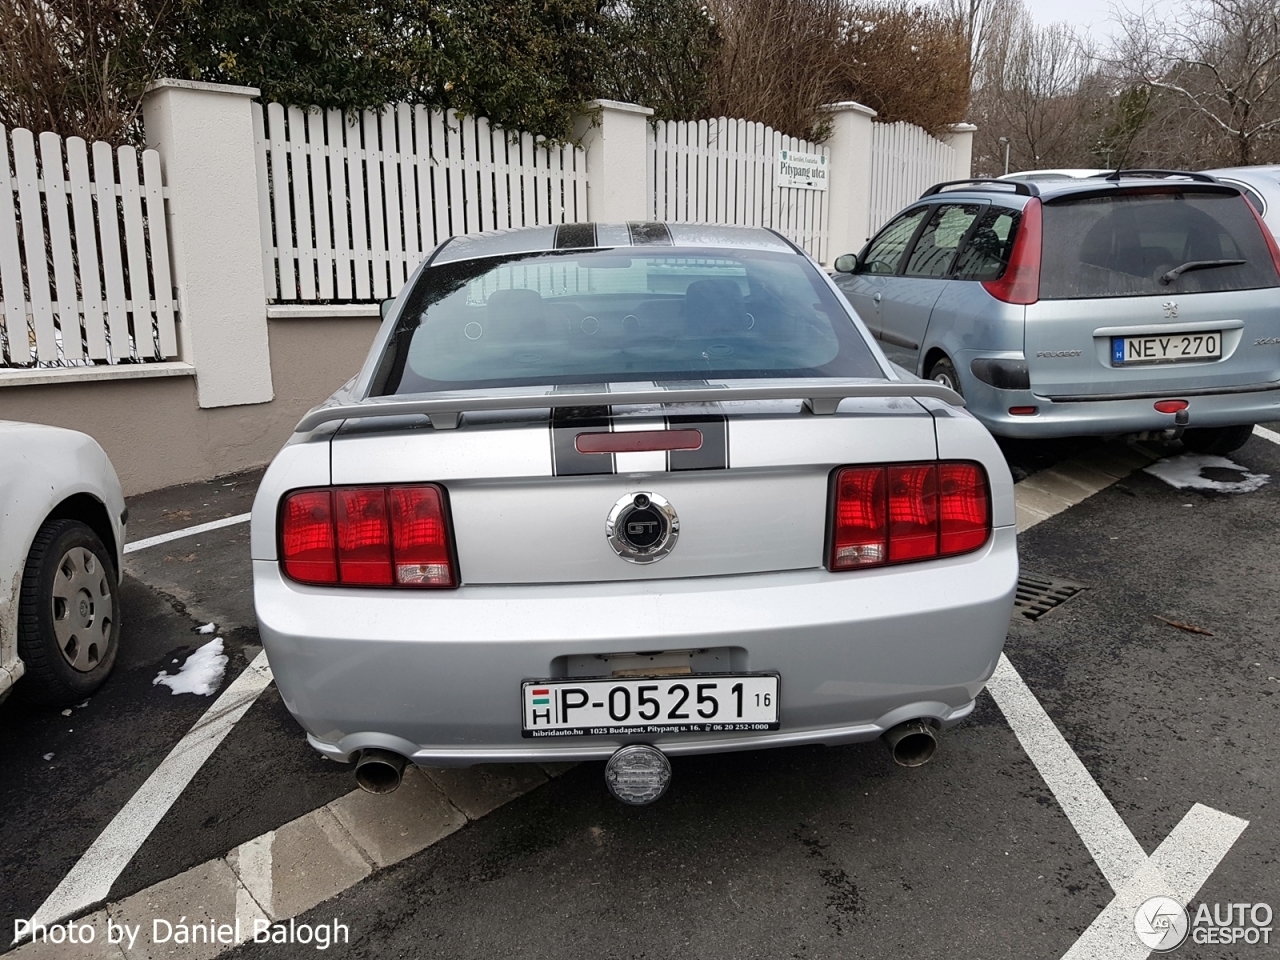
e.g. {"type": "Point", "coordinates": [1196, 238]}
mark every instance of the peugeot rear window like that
{"type": "Point", "coordinates": [1127, 244]}
{"type": "Point", "coordinates": [600, 316]}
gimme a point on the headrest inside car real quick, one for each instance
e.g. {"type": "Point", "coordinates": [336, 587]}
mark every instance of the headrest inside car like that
{"type": "Point", "coordinates": [512, 306]}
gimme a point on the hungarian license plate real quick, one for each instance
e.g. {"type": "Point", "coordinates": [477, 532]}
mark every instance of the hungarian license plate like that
{"type": "Point", "coordinates": [695, 703]}
{"type": "Point", "coordinates": [1166, 349]}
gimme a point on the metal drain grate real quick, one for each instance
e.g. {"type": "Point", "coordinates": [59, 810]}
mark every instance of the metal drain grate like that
{"type": "Point", "coordinates": [1038, 594]}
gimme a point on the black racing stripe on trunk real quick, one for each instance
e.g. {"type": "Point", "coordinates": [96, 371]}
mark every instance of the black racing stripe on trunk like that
{"type": "Point", "coordinates": [566, 424]}
{"type": "Point", "coordinates": [642, 233]}
{"type": "Point", "coordinates": [571, 236]}
{"type": "Point", "coordinates": [714, 452]}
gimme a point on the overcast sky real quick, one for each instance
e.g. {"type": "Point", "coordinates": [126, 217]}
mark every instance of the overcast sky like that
{"type": "Point", "coordinates": [1093, 16]}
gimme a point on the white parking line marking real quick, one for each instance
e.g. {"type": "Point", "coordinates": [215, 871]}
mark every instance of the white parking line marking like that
{"type": "Point", "coordinates": [186, 532]}
{"type": "Point", "coordinates": [91, 878]}
{"type": "Point", "coordinates": [1180, 866]}
{"type": "Point", "coordinates": [1183, 861]}
{"type": "Point", "coordinates": [1111, 843]}
{"type": "Point", "coordinates": [1266, 434]}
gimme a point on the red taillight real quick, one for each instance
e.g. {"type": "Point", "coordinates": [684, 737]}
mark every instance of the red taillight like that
{"type": "Point", "coordinates": [364, 537]}
{"type": "Point", "coordinates": [860, 531]}
{"type": "Point", "coordinates": [913, 512]}
{"type": "Point", "coordinates": [1268, 236]}
{"type": "Point", "coordinates": [1021, 280]}
{"type": "Point", "coordinates": [905, 512]}
{"type": "Point", "coordinates": [421, 538]}
{"type": "Point", "coordinates": [1170, 406]}
{"type": "Point", "coordinates": [367, 536]}
{"type": "Point", "coordinates": [964, 508]}
{"type": "Point", "coordinates": [307, 537]}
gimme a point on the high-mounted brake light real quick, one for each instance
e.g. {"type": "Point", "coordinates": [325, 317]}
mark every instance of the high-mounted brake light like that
{"type": "Point", "coordinates": [1020, 282]}
{"type": "Point", "coordinates": [367, 536]}
{"type": "Point", "coordinates": [905, 512]}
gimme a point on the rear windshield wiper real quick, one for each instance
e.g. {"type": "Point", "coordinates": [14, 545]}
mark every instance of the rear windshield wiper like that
{"type": "Point", "coordinates": [1176, 272]}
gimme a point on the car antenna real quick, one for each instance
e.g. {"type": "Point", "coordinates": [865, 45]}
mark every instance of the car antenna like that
{"type": "Point", "coordinates": [1124, 155]}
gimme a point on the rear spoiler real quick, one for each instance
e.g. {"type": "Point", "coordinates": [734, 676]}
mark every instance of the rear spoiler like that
{"type": "Point", "coordinates": [821, 396]}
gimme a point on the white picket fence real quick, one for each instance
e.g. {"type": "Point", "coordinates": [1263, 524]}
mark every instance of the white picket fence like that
{"type": "Point", "coordinates": [725, 171]}
{"type": "Point", "coordinates": [905, 161]}
{"type": "Point", "coordinates": [351, 203]}
{"type": "Point", "coordinates": [111, 296]}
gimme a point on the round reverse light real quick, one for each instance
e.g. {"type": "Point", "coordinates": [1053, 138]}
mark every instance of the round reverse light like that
{"type": "Point", "coordinates": [638, 774]}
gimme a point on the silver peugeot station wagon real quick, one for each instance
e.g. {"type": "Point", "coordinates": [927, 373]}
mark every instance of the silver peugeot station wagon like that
{"type": "Point", "coordinates": [1107, 305]}
{"type": "Point", "coordinates": [623, 492]}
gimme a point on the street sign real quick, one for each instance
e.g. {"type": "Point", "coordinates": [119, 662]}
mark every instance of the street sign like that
{"type": "Point", "coordinates": [808, 171]}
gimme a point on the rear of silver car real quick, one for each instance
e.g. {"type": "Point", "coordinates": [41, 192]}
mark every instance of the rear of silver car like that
{"type": "Point", "coordinates": [1099, 307]}
{"type": "Point", "coordinates": [550, 599]}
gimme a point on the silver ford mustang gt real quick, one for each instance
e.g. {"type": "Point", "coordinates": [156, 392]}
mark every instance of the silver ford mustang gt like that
{"type": "Point", "coordinates": [629, 491]}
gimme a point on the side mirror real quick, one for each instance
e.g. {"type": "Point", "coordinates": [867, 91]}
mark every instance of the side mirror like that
{"type": "Point", "coordinates": [385, 307]}
{"type": "Point", "coordinates": [847, 263]}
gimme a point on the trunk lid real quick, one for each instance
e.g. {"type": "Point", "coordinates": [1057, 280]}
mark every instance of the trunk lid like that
{"type": "Point", "coordinates": [527, 507]}
{"type": "Point", "coordinates": [1132, 274]}
{"type": "Point", "coordinates": [1069, 343]}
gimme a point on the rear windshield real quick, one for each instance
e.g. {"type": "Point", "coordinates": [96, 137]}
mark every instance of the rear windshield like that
{"type": "Point", "coordinates": [601, 316]}
{"type": "Point", "coordinates": [1123, 245]}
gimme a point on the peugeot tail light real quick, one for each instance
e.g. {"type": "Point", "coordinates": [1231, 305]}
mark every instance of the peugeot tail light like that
{"type": "Point", "coordinates": [1267, 235]}
{"type": "Point", "coordinates": [368, 537]}
{"type": "Point", "coordinates": [899, 513]}
{"type": "Point", "coordinates": [1020, 282]}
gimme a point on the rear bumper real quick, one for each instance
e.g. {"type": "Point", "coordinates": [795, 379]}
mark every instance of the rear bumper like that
{"type": "Point", "coordinates": [1117, 414]}
{"type": "Point", "coordinates": [436, 676]}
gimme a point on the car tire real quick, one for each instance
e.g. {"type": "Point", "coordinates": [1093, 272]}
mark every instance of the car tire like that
{"type": "Point", "coordinates": [944, 372]}
{"type": "Point", "coordinates": [68, 614]}
{"type": "Point", "coordinates": [1217, 440]}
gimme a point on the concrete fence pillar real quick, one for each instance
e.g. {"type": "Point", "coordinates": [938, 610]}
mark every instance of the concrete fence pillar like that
{"type": "Point", "coordinates": [615, 136]}
{"type": "Point", "coordinates": [204, 134]}
{"type": "Point", "coordinates": [960, 139]}
{"type": "Point", "coordinates": [849, 210]}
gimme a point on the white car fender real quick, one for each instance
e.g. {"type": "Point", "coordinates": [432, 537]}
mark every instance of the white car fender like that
{"type": "Point", "coordinates": [41, 467]}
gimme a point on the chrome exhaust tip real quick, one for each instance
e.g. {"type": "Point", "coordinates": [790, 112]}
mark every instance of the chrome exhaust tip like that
{"type": "Point", "coordinates": [912, 743]}
{"type": "Point", "coordinates": [638, 774]}
{"type": "Point", "coordinates": [379, 771]}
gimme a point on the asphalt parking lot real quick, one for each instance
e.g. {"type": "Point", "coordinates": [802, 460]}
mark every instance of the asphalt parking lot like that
{"type": "Point", "coordinates": [808, 852]}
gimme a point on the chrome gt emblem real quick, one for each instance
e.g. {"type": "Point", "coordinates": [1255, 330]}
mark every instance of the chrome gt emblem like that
{"type": "Point", "coordinates": [1170, 308]}
{"type": "Point", "coordinates": [642, 527]}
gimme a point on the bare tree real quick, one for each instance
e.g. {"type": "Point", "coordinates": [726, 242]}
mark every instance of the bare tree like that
{"type": "Point", "coordinates": [1032, 87]}
{"type": "Point", "coordinates": [1222, 70]}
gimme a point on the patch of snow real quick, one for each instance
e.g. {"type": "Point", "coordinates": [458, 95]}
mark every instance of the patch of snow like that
{"type": "Point", "coordinates": [81, 706]}
{"type": "Point", "coordinates": [1185, 471]}
{"type": "Point", "coordinates": [207, 628]}
{"type": "Point", "coordinates": [202, 672]}
{"type": "Point", "coordinates": [66, 712]}
{"type": "Point", "coordinates": [48, 756]}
